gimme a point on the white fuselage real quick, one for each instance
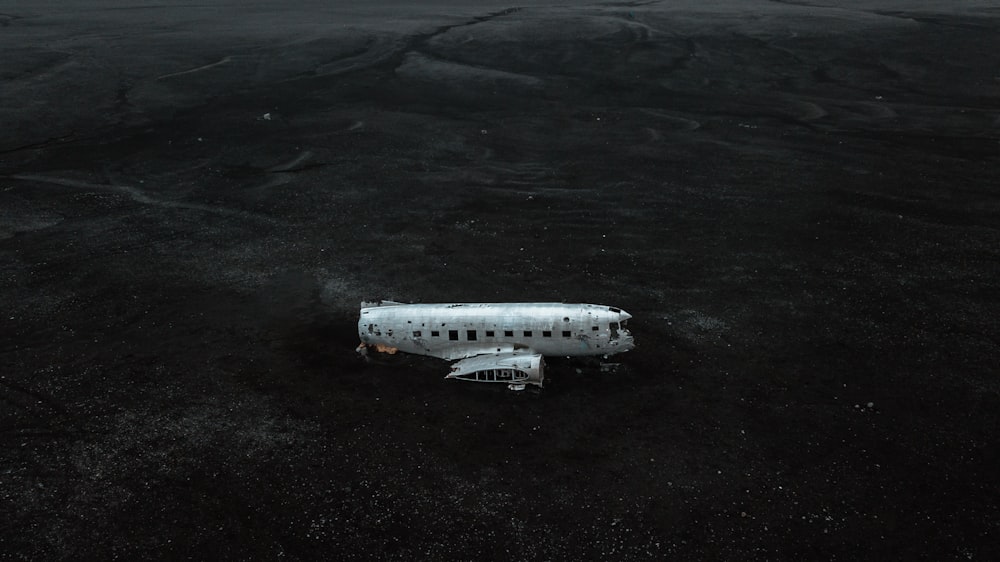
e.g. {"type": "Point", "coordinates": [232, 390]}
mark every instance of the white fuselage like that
{"type": "Point", "coordinates": [454, 331]}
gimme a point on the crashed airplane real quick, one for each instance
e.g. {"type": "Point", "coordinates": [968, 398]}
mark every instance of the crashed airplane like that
{"type": "Point", "coordinates": [494, 342]}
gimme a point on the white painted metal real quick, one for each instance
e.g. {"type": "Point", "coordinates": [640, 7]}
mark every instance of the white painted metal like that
{"type": "Point", "coordinates": [511, 368]}
{"type": "Point", "coordinates": [495, 331]}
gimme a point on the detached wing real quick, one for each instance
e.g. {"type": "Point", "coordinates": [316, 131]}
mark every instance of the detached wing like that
{"type": "Point", "coordinates": [513, 367]}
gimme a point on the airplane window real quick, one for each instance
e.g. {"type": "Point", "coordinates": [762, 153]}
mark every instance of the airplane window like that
{"type": "Point", "coordinates": [527, 333]}
{"type": "Point", "coordinates": [489, 333]}
{"type": "Point", "coordinates": [546, 333]}
{"type": "Point", "coordinates": [416, 333]}
{"type": "Point", "coordinates": [508, 333]}
{"type": "Point", "coordinates": [567, 333]}
{"type": "Point", "coordinates": [453, 335]}
{"type": "Point", "coordinates": [471, 335]}
{"type": "Point", "coordinates": [435, 333]}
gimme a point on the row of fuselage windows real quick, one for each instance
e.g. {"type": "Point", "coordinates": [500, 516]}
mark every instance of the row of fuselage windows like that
{"type": "Point", "coordinates": [473, 335]}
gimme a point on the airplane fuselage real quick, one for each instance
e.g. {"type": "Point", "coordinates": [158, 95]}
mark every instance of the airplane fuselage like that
{"type": "Point", "coordinates": [460, 330]}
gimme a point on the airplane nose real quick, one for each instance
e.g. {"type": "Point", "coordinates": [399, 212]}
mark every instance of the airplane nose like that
{"type": "Point", "coordinates": [625, 315]}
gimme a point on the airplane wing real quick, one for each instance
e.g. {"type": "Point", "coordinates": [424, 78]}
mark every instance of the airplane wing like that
{"type": "Point", "coordinates": [515, 368]}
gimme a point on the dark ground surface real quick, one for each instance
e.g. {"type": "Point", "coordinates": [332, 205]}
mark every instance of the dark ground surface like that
{"type": "Point", "coordinates": [798, 205]}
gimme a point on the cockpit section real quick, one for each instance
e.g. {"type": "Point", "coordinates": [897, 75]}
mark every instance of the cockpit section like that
{"type": "Point", "coordinates": [618, 335]}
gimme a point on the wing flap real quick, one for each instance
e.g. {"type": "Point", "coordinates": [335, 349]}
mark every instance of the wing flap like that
{"type": "Point", "coordinates": [513, 367]}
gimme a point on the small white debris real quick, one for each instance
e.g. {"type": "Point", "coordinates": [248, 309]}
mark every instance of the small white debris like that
{"type": "Point", "coordinates": [870, 404]}
{"type": "Point", "coordinates": [483, 131]}
{"type": "Point", "coordinates": [199, 139]}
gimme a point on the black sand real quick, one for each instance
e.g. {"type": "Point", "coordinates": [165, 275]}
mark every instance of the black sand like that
{"type": "Point", "coordinates": [798, 205]}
